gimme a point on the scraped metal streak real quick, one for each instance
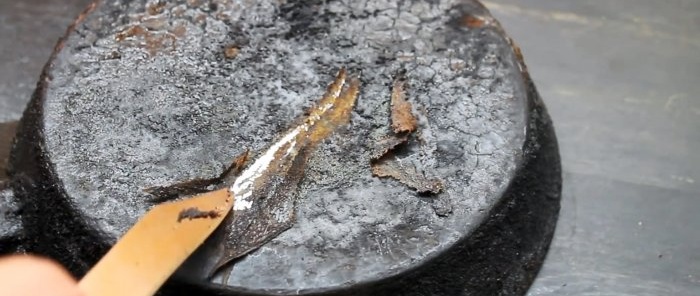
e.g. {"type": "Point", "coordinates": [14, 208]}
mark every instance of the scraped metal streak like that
{"type": "Point", "coordinates": [265, 192]}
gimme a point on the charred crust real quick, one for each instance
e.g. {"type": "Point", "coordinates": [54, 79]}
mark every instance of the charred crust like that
{"type": "Point", "coordinates": [196, 213]}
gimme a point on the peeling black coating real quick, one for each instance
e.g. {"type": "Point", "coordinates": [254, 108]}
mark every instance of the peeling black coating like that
{"type": "Point", "coordinates": [197, 185]}
{"type": "Point", "coordinates": [303, 17]}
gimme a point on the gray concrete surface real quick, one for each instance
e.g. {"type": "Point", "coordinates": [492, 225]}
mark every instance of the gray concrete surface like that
{"type": "Point", "coordinates": [620, 78]}
{"type": "Point", "coordinates": [29, 30]}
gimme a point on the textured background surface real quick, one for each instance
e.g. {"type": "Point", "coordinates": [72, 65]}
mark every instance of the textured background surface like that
{"type": "Point", "coordinates": [620, 80]}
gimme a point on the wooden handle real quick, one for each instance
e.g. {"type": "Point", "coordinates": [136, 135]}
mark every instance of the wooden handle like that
{"type": "Point", "coordinates": [145, 257]}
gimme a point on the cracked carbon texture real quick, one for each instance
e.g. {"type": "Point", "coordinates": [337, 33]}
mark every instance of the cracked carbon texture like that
{"type": "Point", "coordinates": [164, 104]}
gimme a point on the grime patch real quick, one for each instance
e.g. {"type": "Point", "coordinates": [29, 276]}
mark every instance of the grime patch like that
{"type": "Point", "coordinates": [196, 213]}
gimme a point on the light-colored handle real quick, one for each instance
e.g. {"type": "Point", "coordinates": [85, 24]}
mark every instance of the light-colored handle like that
{"type": "Point", "coordinates": [145, 257]}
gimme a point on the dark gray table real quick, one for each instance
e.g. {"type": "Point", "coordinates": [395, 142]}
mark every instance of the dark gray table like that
{"type": "Point", "coordinates": [621, 80]}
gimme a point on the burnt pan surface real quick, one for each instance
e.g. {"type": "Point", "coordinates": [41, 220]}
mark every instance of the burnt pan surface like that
{"type": "Point", "coordinates": [143, 93]}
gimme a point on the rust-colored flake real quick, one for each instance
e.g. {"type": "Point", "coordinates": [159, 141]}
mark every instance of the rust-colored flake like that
{"type": "Point", "coordinates": [155, 8]}
{"type": "Point", "coordinates": [472, 22]}
{"type": "Point", "coordinates": [231, 51]}
{"type": "Point", "coordinates": [153, 31]}
{"type": "Point", "coordinates": [402, 119]}
{"type": "Point", "coordinates": [406, 173]}
{"type": "Point", "coordinates": [384, 162]}
{"type": "Point", "coordinates": [131, 32]}
{"type": "Point", "coordinates": [152, 41]}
